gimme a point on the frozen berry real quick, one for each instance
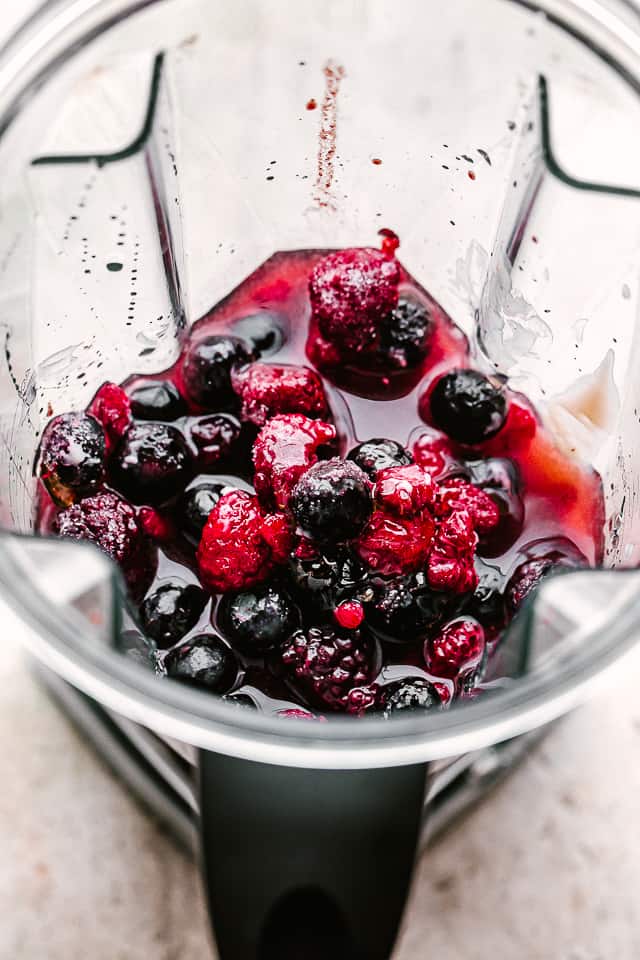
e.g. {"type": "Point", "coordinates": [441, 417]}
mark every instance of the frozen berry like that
{"type": "Point", "coordinates": [196, 503]}
{"type": "Point", "coordinates": [457, 651]}
{"type": "Point", "coordinates": [264, 331]}
{"type": "Point", "coordinates": [542, 557]}
{"type": "Point", "coordinates": [171, 610]}
{"type": "Point", "coordinates": [71, 457]}
{"type": "Point", "coordinates": [459, 493]}
{"type": "Point", "coordinates": [451, 561]}
{"type": "Point", "coordinates": [468, 406]}
{"type": "Point", "coordinates": [284, 449]}
{"type": "Point", "coordinates": [410, 696]}
{"type": "Point", "coordinates": [500, 479]}
{"type": "Point", "coordinates": [433, 452]}
{"type": "Point", "coordinates": [402, 609]}
{"type": "Point", "coordinates": [268, 389]}
{"type": "Point", "coordinates": [204, 661]}
{"type": "Point", "coordinates": [325, 581]}
{"type": "Point", "coordinates": [111, 523]}
{"type": "Point", "coordinates": [487, 603]}
{"type": "Point", "coordinates": [375, 455]}
{"type": "Point", "coordinates": [157, 400]}
{"type": "Point", "coordinates": [206, 370]}
{"type": "Point", "coordinates": [349, 614]}
{"type": "Point", "coordinates": [332, 501]}
{"type": "Point", "coordinates": [239, 546]}
{"type": "Point", "coordinates": [214, 437]}
{"type": "Point", "coordinates": [391, 545]}
{"type": "Point", "coordinates": [111, 408]}
{"type": "Point", "coordinates": [405, 333]}
{"type": "Point", "coordinates": [327, 664]}
{"type": "Point", "coordinates": [152, 463]}
{"type": "Point", "coordinates": [405, 491]}
{"type": "Point", "coordinates": [259, 619]}
{"type": "Point", "coordinates": [351, 291]}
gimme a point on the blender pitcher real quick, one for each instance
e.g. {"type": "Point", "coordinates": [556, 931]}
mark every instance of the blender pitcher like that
{"type": "Point", "coordinates": [154, 154]}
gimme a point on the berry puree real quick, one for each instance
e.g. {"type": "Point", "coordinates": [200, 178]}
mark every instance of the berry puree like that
{"type": "Point", "coordinates": [324, 506]}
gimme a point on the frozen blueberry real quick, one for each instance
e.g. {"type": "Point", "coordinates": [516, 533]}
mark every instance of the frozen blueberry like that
{"type": "Point", "coordinates": [206, 370]}
{"type": "Point", "coordinates": [203, 661]}
{"type": "Point", "coordinates": [195, 505]}
{"type": "Point", "coordinates": [468, 406]}
{"type": "Point", "coordinates": [257, 620]}
{"type": "Point", "coordinates": [410, 696]}
{"type": "Point", "coordinates": [332, 500]}
{"type": "Point", "coordinates": [71, 457]}
{"type": "Point", "coordinates": [379, 454]}
{"type": "Point", "coordinates": [326, 580]}
{"type": "Point", "coordinates": [157, 400]}
{"type": "Point", "coordinates": [152, 463]}
{"type": "Point", "coordinates": [171, 610]}
{"type": "Point", "coordinates": [214, 437]}
{"type": "Point", "coordinates": [404, 334]}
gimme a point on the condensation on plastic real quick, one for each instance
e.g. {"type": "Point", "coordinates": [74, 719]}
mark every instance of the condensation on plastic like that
{"type": "Point", "coordinates": [166, 160]}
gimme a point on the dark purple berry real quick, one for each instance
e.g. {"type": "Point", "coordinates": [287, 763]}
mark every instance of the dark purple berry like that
{"type": "Point", "coordinates": [332, 501]}
{"type": "Point", "coordinates": [404, 334]}
{"type": "Point", "coordinates": [324, 581]}
{"type": "Point", "coordinates": [468, 406]}
{"type": "Point", "coordinates": [372, 456]}
{"type": "Point", "coordinates": [410, 696]}
{"type": "Point", "coordinates": [487, 603]}
{"type": "Point", "coordinates": [264, 331]}
{"type": "Point", "coordinates": [157, 400]}
{"type": "Point", "coordinates": [195, 505]}
{"type": "Point", "coordinates": [257, 620]}
{"type": "Point", "coordinates": [542, 557]}
{"type": "Point", "coordinates": [203, 661]}
{"type": "Point", "coordinates": [171, 611]}
{"type": "Point", "coordinates": [500, 479]}
{"type": "Point", "coordinates": [402, 609]}
{"type": "Point", "coordinates": [152, 463]}
{"type": "Point", "coordinates": [330, 665]}
{"type": "Point", "coordinates": [214, 437]}
{"type": "Point", "coordinates": [206, 370]}
{"type": "Point", "coordinates": [71, 457]}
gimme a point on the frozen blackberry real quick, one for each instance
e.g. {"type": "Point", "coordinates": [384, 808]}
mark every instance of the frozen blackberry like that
{"type": "Point", "coordinates": [71, 457]}
{"type": "Point", "coordinates": [405, 333]}
{"type": "Point", "coordinates": [410, 696]}
{"type": "Point", "coordinates": [157, 400]}
{"type": "Point", "coordinates": [258, 620]}
{"type": "Point", "coordinates": [206, 370]}
{"type": "Point", "coordinates": [171, 610]}
{"type": "Point", "coordinates": [404, 608]}
{"type": "Point", "coordinates": [379, 454]}
{"type": "Point", "coordinates": [196, 503]}
{"type": "Point", "coordinates": [468, 406]}
{"type": "Point", "coordinates": [332, 501]}
{"type": "Point", "coordinates": [152, 463]}
{"type": "Point", "coordinates": [204, 661]}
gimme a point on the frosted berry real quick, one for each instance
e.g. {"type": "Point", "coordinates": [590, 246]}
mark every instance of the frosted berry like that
{"type": "Point", "coordinates": [410, 696]}
{"type": "Point", "coordinates": [332, 501]}
{"type": "Point", "coordinates": [206, 370]}
{"type": "Point", "coordinates": [152, 463]}
{"type": "Point", "coordinates": [268, 389]}
{"type": "Point", "coordinates": [467, 406]}
{"type": "Point", "coordinates": [71, 457]}
{"type": "Point", "coordinates": [259, 619]}
{"type": "Point", "coordinates": [405, 333]}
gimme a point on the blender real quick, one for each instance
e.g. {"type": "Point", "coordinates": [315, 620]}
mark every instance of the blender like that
{"type": "Point", "coordinates": [154, 154]}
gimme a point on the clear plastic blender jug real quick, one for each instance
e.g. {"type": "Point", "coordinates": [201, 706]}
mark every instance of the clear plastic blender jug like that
{"type": "Point", "coordinates": [153, 155]}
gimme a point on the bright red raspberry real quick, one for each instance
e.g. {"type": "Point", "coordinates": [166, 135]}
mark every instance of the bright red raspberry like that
{"type": "Point", "coordinates": [391, 545]}
{"type": "Point", "coordinates": [349, 614]}
{"type": "Point", "coordinates": [457, 650]}
{"type": "Point", "coordinates": [351, 291]}
{"type": "Point", "coordinates": [458, 493]}
{"type": "Point", "coordinates": [111, 407]}
{"type": "Point", "coordinates": [433, 452]}
{"type": "Point", "coordinates": [406, 491]}
{"type": "Point", "coordinates": [284, 449]}
{"type": "Point", "coordinates": [240, 544]}
{"type": "Point", "coordinates": [450, 566]}
{"type": "Point", "coordinates": [155, 525]}
{"type": "Point", "coordinates": [269, 389]}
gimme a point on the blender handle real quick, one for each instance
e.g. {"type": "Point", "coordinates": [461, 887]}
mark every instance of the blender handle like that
{"type": "Point", "coordinates": [304, 863]}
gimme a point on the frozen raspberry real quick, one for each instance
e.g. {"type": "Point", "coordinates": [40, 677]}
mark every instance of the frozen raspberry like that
{"type": "Point", "coordinates": [457, 650]}
{"type": "Point", "coordinates": [111, 523]}
{"type": "Point", "coordinates": [214, 438]}
{"type": "Point", "coordinates": [171, 610]}
{"type": "Point", "coordinates": [332, 501]}
{"type": "Point", "coordinates": [410, 696]}
{"type": "Point", "coordinates": [451, 561]}
{"type": "Point", "coordinates": [372, 456]}
{"type": "Point", "coordinates": [234, 552]}
{"type": "Point", "coordinates": [111, 408]}
{"type": "Point", "coordinates": [392, 545]}
{"type": "Point", "coordinates": [152, 463]}
{"type": "Point", "coordinates": [259, 619]}
{"type": "Point", "coordinates": [71, 457]}
{"type": "Point", "coordinates": [405, 333]}
{"type": "Point", "coordinates": [351, 291]}
{"type": "Point", "coordinates": [542, 557]}
{"type": "Point", "coordinates": [268, 389]}
{"type": "Point", "coordinates": [467, 405]}
{"type": "Point", "coordinates": [206, 369]}
{"type": "Point", "coordinates": [204, 661]}
{"type": "Point", "coordinates": [286, 447]}
{"type": "Point", "coordinates": [157, 400]}
{"type": "Point", "coordinates": [458, 493]}
{"type": "Point", "coordinates": [405, 491]}
{"type": "Point", "coordinates": [433, 452]}
{"type": "Point", "coordinates": [328, 664]}
{"type": "Point", "coordinates": [349, 614]}
{"type": "Point", "coordinates": [404, 608]}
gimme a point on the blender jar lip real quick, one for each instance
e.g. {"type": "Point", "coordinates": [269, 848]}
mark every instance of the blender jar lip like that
{"type": "Point", "coordinates": [193, 717]}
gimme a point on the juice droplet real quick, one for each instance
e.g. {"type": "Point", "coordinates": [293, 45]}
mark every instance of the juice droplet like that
{"type": "Point", "coordinates": [390, 241]}
{"type": "Point", "coordinates": [471, 175]}
{"type": "Point", "coordinates": [376, 160]}
{"type": "Point", "coordinates": [311, 104]}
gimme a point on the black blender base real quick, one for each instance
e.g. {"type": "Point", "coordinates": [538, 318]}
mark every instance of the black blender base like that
{"type": "Point", "coordinates": [164, 782]}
